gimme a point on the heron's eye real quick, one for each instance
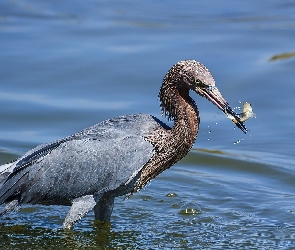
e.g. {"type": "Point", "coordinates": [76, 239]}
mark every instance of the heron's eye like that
{"type": "Point", "coordinates": [198, 82]}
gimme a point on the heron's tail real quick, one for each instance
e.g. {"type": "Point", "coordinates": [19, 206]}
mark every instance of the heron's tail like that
{"type": "Point", "coordinates": [10, 207]}
{"type": "Point", "coordinates": [5, 171]}
{"type": "Point", "coordinates": [6, 187]}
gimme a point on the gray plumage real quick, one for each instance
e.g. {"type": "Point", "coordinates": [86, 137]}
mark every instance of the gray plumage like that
{"type": "Point", "coordinates": [105, 157]}
{"type": "Point", "coordinates": [64, 165]}
{"type": "Point", "coordinates": [113, 158]}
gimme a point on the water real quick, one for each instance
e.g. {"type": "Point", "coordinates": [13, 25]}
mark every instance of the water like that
{"type": "Point", "coordinates": [68, 65]}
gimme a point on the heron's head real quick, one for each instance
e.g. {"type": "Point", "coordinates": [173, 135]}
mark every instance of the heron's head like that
{"type": "Point", "coordinates": [195, 76]}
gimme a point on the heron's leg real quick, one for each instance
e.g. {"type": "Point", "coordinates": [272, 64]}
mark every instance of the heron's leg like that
{"type": "Point", "coordinates": [80, 207]}
{"type": "Point", "coordinates": [104, 208]}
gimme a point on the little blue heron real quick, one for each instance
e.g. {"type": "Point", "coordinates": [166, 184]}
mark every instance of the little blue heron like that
{"type": "Point", "coordinates": [115, 157]}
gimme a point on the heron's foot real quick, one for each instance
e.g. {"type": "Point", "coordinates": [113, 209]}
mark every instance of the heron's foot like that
{"type": "Point", "coordinates": [80, 207]}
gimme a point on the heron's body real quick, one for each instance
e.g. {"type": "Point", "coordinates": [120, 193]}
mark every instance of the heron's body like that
{"type": "Point", "coordinates": [113, 158]}
{"type": "Point", "coordinates": [84, 163]}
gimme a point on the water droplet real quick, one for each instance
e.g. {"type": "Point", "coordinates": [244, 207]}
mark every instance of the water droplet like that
{"type": "Point", "coordinates": [238, 141]}
{"type": "Point", "coordinates": [190, 209]}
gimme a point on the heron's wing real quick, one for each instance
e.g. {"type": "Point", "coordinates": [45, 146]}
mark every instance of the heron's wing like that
{"type": "Point", "coordinates": [14, 173]}
{"type": "Point", "coordinates": [97, 159]}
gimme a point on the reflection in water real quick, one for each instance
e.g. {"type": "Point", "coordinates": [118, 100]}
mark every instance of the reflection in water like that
{"type": "Point", "coordinates": [100, 235]}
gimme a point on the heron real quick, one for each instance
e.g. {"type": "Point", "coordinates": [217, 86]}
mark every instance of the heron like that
{"type": "Point", "coordinates": [116, 157]}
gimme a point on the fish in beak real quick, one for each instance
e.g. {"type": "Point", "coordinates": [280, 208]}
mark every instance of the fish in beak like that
{"type": "Point", "coordinates": [211, 93]}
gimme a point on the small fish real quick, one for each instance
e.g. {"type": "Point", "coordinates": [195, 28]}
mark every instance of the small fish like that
{"type": "Point", "coordinates": [247, 113]}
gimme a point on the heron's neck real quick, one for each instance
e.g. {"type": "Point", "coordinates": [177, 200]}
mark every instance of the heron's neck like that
{"type": "Point", "coordinates": [171, 145]}
{"type": "Point", "coordinates": [179, 106]}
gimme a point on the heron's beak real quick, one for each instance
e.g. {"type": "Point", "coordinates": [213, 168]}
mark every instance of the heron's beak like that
{"type": "Point", "coordinates": [213, 95]}
{"type": "Point", "coordinates": [235, 118]}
